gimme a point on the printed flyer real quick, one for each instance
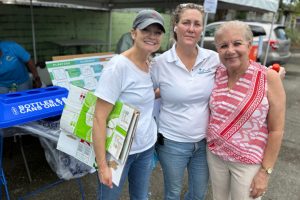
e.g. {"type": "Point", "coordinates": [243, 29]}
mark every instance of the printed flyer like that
{"type": "Point", "coordinates": [76, 130]}
{"type": "Point", "coordinates": [82, 72]}
{"type": "Point", "coordinates": [78, 113]}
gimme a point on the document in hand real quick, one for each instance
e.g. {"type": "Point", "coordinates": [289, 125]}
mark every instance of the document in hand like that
{"type": "Point", "coordinates": [76, 147]}
{"type": "Point", "coordinates": [78, 113]}
{"type": "Point", "coordinates": [120, 129]}
{"type": "Point", "coordinates": [76, 130]}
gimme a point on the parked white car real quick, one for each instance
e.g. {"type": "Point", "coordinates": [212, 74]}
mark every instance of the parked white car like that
{"type": "Point", "coordinates": [279, 50]}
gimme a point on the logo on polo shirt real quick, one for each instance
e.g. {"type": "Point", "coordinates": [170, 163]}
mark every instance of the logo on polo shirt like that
{"type": "Point", "coordinates": [203, 71]}
{"type": "Point", "coordinates": [9, 58]}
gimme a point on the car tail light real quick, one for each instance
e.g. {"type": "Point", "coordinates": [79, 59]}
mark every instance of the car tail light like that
{"type": "Point", "coordinates": [273, 44]}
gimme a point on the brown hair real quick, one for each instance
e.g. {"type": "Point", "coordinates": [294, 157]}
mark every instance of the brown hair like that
{"type": "Point", "coordinates": [180, 9]}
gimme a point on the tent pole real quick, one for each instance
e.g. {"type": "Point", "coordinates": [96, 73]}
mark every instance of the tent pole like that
{"type": "Point", "coordinates": [171, 39]}
{"type": "Point", "coordinates": [269, 38]}
{"type": "Point", "coordinates": [33, 33]}
{"type": "Point", "coordinates": [203, 31]}
{"type": "Point", "coordinates": [109, 31]}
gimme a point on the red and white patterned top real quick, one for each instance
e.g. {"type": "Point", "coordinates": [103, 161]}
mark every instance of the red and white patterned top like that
{"type": "Point", "coordinates": [237, 128]}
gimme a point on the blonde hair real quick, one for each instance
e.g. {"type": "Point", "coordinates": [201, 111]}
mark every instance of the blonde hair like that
{"type": "Point", "coordinates": [242, 26]}
{"type": "Point", "coordinates": [180, 9]}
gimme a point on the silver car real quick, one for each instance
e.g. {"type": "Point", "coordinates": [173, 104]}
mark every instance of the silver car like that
{"type": "Point", "coordinates": [279, 50]}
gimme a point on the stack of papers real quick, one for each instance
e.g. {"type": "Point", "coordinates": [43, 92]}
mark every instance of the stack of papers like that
{"type": "Point", "coordinates": [76, 130]}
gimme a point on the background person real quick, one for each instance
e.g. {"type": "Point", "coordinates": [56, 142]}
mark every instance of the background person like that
{"type": "Point", "coordinates": [185, 77]}
{"type": "Point", "coordinates": [15, 62]}
{"type": "Point", "coordinates": [126, 78]}
{"type": "Point", "coordinates": [247, 118]}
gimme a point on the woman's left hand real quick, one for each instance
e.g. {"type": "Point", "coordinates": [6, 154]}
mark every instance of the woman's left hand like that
{"type": "Point", "coordinates": [259, 184]}
{"type": "Point", "coordinates": [281, 72]}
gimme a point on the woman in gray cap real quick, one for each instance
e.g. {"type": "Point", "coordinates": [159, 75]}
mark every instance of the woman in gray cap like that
{"type": "Point", "coordinates": [126, 78]}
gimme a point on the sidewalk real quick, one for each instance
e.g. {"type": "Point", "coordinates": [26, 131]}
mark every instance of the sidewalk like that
{"type": "Point", "coordinates": [295, 50]}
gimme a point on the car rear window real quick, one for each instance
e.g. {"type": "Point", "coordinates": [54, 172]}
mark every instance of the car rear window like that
{"type": "Point", "coordinates": [280, 33]}
{"type": "Point", "coordinates": [257, 30]}
{"type": "Point", "coordinates": [210, 31]}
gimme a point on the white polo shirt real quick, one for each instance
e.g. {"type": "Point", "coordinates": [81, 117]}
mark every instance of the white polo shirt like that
{"type": "Point", "coordinates": [122, 80]}
{"type": "Point", "coordinates": [184, 110]}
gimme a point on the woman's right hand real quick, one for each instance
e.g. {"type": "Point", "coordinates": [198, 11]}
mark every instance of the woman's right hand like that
{"type": "Point", "coordinates": [105, 176]}
{"type": "Point", "coordinates": [259, 184]}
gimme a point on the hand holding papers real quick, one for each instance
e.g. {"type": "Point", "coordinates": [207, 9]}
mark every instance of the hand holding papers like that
{"type": "Point", "coordinates": [76, 135]}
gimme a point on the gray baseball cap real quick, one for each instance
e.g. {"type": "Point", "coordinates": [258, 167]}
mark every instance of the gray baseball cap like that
{"type": "Point", "coordinates": [146, 18]}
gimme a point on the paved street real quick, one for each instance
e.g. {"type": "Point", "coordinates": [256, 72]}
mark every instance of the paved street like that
{"type": "Point", "coordinates": [284, 182]}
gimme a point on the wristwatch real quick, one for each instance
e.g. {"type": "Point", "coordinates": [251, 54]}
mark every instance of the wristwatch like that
{"type": "Point", "coordinates": [267, 170]}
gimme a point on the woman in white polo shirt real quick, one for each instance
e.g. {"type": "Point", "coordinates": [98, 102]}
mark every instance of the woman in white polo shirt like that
{"type": "Point", "coordinates": [127, 78]}
{"type": "Point", "coordinates": [185, 77]}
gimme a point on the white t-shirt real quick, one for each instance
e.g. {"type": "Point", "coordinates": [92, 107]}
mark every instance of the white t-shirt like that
{"type": "Point", "coordinates": [122, 80]}
{"type": "Point", "coordinates": [184, 110]}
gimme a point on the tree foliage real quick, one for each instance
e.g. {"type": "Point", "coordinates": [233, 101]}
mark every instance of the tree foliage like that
{"type": "Point", "coordinates": [293, 6]}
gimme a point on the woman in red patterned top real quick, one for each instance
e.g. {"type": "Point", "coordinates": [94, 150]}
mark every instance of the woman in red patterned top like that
{"type": "Point", "coordinates": [247, 118]}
